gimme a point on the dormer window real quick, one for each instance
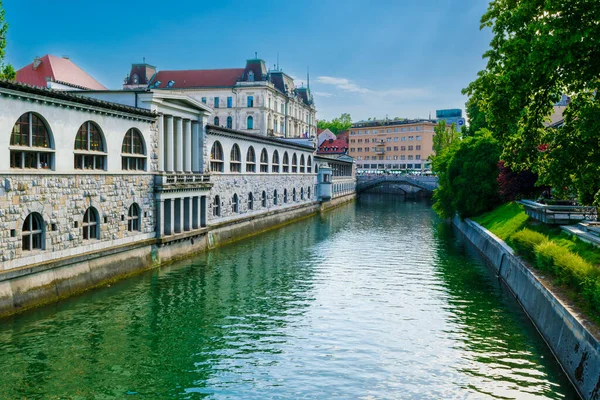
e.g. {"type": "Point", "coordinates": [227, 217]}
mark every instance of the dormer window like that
{"type": "Point", "coordinates": [135, 79]}
{"type": "Point", "coordinates": [251, 76]}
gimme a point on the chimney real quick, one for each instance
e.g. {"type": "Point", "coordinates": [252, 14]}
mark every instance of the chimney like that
{"type": "Point", "coordinates": [36, 62]}
{"type": "Point", "coordinates": [65, 57]}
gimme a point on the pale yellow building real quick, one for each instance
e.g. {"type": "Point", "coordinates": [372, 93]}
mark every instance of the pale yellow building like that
{"type": "Point", "coordinates": [392, 145]}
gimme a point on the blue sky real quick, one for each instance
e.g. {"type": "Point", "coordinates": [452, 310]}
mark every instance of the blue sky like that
{"type": "Point", "coordinates": [369, 58]}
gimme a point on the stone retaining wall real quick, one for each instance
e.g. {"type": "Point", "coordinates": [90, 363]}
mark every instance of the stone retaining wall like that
{"type": "Point", "coordinates": [563, 329]}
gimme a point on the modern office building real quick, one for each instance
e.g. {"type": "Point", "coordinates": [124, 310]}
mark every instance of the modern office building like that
{"type": "Point", "coordinates": [392, 145]}
{"type": "Point", "coordinates": [451, 116]}
{"type": "Point", "coordinates": [252, 99]}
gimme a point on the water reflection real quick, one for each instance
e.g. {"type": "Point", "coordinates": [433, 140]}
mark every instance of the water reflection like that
{"type": "Point", "coordinates": [373, 300]}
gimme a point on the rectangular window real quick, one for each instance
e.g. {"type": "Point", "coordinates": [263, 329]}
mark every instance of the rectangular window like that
{"type": "Point", "coordinates": [411, 138]}
{"type": "Point", "coordinates": [403, 157]}
{"type": "Point", "coordinates": [417, 157]}
{"type": "Point", "coordinates": [389, 148]}
{"type": "Point", "coordinates": [403, 139]}
{"type": "Point", "coordinates": [359, 140]}
{"type": "Point", "coordinates": [216, 102]}
{"type": "Point", "coordinates": [352, 149]}
{"type": "Point", "coordinates": [410, 147]}
{"type": "Point", "coordinates": [403, 129]}
{"type": "Point", "coordinates": [395, 157]}
{"type": "Point", "coordinates": [395, 129]}
{"type": "Point", "coordinates": [250, 101]}
{"type": "Point", "coordinates": [381, 157]}
{"type": "Point", "coordinates": [204, 100]}
{"type": "Point", "coordinates": [388, 157]}
{"type": "Point", "coordinates": [389, 139]}
{"type": "Point", "coordinates": [410, 157]}
{"type": "Point", "coordinates": [418, 137]}
{"type": "Point", "coordinates": [403, 148]}
{"type": "Point", "coordinates": [229, 102]}
{"type": "Point", "coordinates": [395, 148]}
{"type": "Point", "coordinates": [418, 147]}
{"type": "Point", "coordinates": [396, 139]}
{"type": "Point", "coordinates": [359, 149]}
{"type": "Point", "coordinates": [418, 128]}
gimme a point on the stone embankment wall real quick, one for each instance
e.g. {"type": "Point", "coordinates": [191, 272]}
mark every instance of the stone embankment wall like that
{"type": "Point", "coordinates": [563, 329]}
{"type": "Point", "coordinates": [62, 200]}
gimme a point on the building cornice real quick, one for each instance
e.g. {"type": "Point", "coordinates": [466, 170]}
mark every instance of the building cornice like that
{"type": "Point", "coordinates": [230, 133]}
{"type": "Point", "coordinates": [71, 101]}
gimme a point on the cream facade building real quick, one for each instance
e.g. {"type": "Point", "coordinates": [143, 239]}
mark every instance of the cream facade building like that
{"type": "Point", "coordinates": [252, 99]}
{"type": "Point", "coordinates": [392, 145]}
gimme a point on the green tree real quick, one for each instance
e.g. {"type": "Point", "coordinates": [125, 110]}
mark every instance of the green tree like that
{"type": "Point", "coordinates": [444, 136]}
{"type": "Point", "coordinates": [467, 176]}
{"type": "Point", "coordinates": [540, 50]}
{"type": "Point", "coordinates": [337, 125]}
{"type": "Point", "coordinates": [6, 70]}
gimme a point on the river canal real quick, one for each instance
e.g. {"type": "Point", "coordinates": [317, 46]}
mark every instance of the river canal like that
{"type": "Point", "coordinates": [374, 300]}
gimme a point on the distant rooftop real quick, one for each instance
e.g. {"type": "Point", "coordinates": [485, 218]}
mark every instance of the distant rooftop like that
{"type": "Point", "coordinates": [388, 122]}
{"type": "Point", "coordinates": [56, 69]}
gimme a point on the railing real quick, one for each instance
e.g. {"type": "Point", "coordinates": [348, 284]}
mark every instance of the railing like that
{"type": "Point", "coordinates": [559, 214]}
{"type": "Point", "coordinates": [172, 179]}
{"type": "Point", "coordinates": [428, 183]}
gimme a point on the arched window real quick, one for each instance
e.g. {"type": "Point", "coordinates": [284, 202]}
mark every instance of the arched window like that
{"type": "Point", "coordinates": [309, 165]}
{"type": "Point", "coordinates": [250, 122]}
{"type": "Point", "coordinates": [264, 199]}
{"type": "Point", "coordinates": [31, 144]}
{"type": "Point", "coordinates": [286, 163]}
{"type": "Point", "coordinates": [91, 227]}
{"type": "Point", "coordinates": [133, 218]}
{"type": "Point", "coordinates": [285, 196]}
{"type": "Point", "coordinates": [217, 207]}
{"type": "Point", "coordinates": [301, 193]}
{"type": "Point", "coordinates": [133, 153]}
{"type": "Point", "coordinates": [251, 76]}
{"type": "Point", "coordinates": [250, 160]}
{"type": "Point", "coordinates": [275, 198]}
{"type": "Point", "coordinates": [302, 164]}
{"type": "Point", "coordinates": [216, 157]}
{"type": "Point", "coordinates": [308, 192]}
{"type": "Point", "coordinates": [235, 203]}
{"type": "Point", "coordinates": [275, 163]}
{"type": "Point", "coordinates": [235, 159]}
{"type": "Point", "coordinates": [90, 151]}
{"type": "Point", "coordinates": [294, 164]}
{"type": "Point", "coordinates": [264, 161]}
{"type": "Point", "coordinates": [294, 198]}
{"type": "Point", "coordinates": [216, 121]}
{"type": "Point", "coordinates": [250, 201]}
{"type": "Point", "coordinates": [33, 232]}
{"type": "Point", "coordinates": [229, 122]}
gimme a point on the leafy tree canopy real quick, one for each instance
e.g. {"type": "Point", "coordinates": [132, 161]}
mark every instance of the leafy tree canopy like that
{"type": "Point", "coordinates": [540, 50]}
{"type": "Point", "coordinates": [337, 125]}
{"type": "Point", "coordinates": [444, 136]}
{"type": "Point", "coordinates": [6, 71]}
{"type": "Point", "coordinates": [463, 163]}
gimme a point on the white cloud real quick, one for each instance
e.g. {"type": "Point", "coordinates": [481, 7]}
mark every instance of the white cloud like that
{"type": "Point", "coordinates": [347, 86]}
{"type": "Point", "coordinates": [322, 94]}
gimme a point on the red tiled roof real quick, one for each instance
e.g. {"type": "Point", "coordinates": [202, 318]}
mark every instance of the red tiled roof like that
{"type": "Point", "coordinates": [57, 69]}
{"type": "Point", "coordinates": [199, 77]}
{"type": "Point", "coordinates": [336, 146]}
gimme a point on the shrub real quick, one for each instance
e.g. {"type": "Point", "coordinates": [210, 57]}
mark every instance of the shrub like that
{"type": "Point", "coordinates": [591, 292]}
{"type": "Point", "coordinates": [525, 241]}
{"type": "Point", "coordinates": [545, 254]}
{"type": "Point", "coordinates": [568, 267]}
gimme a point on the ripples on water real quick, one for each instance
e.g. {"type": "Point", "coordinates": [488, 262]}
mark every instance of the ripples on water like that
{"type": "Point", "coordinates": [376, 300]}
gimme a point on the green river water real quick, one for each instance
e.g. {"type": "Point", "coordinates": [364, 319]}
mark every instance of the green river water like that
{"type": "Point", "coordinates": [375, 300]}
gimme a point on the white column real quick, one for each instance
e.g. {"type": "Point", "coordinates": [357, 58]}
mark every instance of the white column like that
{"type": "Point", "coordinates": [161, 145]}
{"type": "Point", "coordinates": [196, 157]}
{"type": "Point", "coordinates": [190, 207]}
{"type": "Point", "coordinates": [181, 214]}
{"type": "Point", "coordinates": [172, 221]}
{"type": "Point", "coordinates": [161, 217]}
{"type": "Point", "coordinates": [170, 145]}
{"type": "Point", "coordinates": [179, 145]}
{"type": "Point", "coordinates": [187, 148]}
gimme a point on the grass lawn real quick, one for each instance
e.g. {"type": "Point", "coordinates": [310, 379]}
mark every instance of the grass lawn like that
{"type": "Point", "coordinates": [509, 218]}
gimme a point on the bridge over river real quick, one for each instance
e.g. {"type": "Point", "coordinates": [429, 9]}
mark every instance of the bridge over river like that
{"type": "Point", "coordinates": [405, 183]}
